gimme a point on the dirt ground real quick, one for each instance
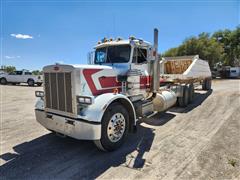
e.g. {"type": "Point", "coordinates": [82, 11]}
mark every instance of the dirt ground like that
{"type": "Point", "coordinates": [201, 141]}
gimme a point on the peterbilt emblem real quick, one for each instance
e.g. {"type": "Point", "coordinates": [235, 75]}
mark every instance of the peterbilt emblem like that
{"type": "Point", "coordinates": [56, 68]}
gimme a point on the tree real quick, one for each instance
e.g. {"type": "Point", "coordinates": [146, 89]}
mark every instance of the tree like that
{"type": "Point", "coordinates": [8, 69]}
{"type": "Point", "coordinates": [37, 72]}
{"type": "Point", "coordinates": [206, 47]}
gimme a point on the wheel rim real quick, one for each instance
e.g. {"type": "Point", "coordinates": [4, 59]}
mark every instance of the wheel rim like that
{"type": "Point", "coordinates": [116, 127]}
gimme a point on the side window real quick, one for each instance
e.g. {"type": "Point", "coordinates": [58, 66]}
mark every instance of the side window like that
{"type": "Point", "coordinates": [19, 72]}
{"type": "Point", "coordinates": [13, 73]}
{"type": "Point", "coordinates": [139, 55]}
{"type": "Point", "coordinates": [28, 73]}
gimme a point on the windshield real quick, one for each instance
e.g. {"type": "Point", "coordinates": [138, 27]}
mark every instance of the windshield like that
{"type": "Point", "coordinates": [112, 54]}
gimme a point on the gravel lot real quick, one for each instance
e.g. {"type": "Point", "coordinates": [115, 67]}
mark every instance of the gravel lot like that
{"type": "Point", "coordinates": [201, 141]}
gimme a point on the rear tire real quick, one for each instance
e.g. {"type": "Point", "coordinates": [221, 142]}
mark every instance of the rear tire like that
{"type": "Point", "coordinates": [30, 82]}
{"type": "Point", "coordinates": [207, 84]}
{"type": "Point", "coordinates": [183, 101]}
{"type": "Point", "coordinates": [115, 125]}
{"type": "Point", "coordinates": [39, 84]}
{"type": "Point", "coordinates": [3, 81]}
{"type": "Point", "coordinates": [191, 92]}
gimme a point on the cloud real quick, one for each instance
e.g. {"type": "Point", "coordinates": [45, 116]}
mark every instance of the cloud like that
{"type": "Point", "coordinates": [22, 36]}
{"type": "Point", "coordinates": [12, 57]}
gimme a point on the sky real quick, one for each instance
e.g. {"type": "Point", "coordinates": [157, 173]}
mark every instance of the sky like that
{"type": "Point", "coordinates": [39, 33]}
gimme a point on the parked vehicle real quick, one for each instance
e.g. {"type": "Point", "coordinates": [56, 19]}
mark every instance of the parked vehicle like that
{"type": "Point", "coordinates": [23, 76]}
{"type": "Point", "coordinates": [103, 101]}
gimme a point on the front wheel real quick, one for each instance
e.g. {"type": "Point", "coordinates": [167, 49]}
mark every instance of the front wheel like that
{"type": "Point", "coordinates": [115, 124]}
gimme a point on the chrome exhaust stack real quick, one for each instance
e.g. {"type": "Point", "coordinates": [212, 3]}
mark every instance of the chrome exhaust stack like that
{"type": "Point", "coordinates": [154, 65]}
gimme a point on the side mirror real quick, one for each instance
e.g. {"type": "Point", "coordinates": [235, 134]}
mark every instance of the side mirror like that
{"type": "Point", "coordinates": [90, 57]}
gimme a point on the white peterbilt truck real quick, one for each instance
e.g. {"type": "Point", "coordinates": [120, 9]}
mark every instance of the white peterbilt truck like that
{"type": "Point", "coordinates": [125, 80]}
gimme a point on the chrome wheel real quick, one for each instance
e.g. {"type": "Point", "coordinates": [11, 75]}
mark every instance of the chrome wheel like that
{"type": "Point", "coordinates": [116, 127]}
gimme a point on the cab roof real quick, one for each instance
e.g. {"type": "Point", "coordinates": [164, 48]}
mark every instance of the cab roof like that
{"type": "Point", "coordinates": [122, 42]}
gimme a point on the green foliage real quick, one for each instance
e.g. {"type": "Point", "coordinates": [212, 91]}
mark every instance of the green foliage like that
{"type": "Point", "coordinates": [222, 46]}
{"type": "Point", "coordinates": [8, 69]}
{"type": "Point", "coordinates": [37, 72]}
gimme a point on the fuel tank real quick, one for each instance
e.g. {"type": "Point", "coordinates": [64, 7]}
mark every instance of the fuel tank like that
{"type": "Point", "coordinates": [164, 100]}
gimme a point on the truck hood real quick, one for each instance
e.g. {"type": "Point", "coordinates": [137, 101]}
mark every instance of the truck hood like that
{"type": "Point", "coordinates": [119, 68]}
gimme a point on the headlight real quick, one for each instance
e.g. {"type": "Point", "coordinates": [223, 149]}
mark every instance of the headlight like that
{"type": "Point", "coordinates": [84, 100]}
{"type": "Point", "coordinates": [39, 94]}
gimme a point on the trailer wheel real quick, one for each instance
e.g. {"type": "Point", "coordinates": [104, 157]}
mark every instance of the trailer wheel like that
{"type": "Point", "coordinates": [183, 101]}
{"type": "Point", "coordinates": [115, 124]}
{"type": "Point", "coordinates": [191, 92]}
{"type": "Point", "coordinates": [207, 84]}
{"type": "Point", "coordinates": [3, 81]}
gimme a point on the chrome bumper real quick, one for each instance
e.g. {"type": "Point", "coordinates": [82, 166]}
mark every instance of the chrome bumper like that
{"type": "Point", "coordinates": [76, 128]}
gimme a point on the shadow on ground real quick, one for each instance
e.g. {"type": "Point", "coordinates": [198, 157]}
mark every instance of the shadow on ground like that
{"type": "Point", "coordinates": [50, 156]}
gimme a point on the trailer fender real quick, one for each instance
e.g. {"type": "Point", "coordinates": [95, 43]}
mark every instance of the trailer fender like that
{"type": "Point", "coordinates": [96, 111]}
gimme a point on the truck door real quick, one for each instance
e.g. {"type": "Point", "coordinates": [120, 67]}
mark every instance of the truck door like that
{"type": "Point", "coordinates": [26, 75]}
{"type": "Point", "coordinates": [16, 76]}
{"type": "Point", "coordinates": [139, 62]}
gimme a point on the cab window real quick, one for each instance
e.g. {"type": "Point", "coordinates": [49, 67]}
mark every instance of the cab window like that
{"type": "Point", "coordinates": [139, 55]}
{"type": "Point", "coordinates": [28, 73]}
{"type": "Point", "coordinates": [19, 72]}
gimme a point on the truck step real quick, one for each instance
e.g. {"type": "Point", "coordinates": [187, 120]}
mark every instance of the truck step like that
{"type": "Point", "coordinates": [151, 114]}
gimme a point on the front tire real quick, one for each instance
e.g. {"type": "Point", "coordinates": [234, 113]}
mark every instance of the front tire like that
{"type": "Point", "coordinates": [115, 125]}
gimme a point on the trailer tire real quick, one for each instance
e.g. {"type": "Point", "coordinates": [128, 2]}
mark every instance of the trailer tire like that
{"type": "Point", "coordinates": [183, 101]}
{"type": "Point", "coordinates": [115, 125]}
{"type": "Point", "coordinates": [191, 92]}
{"type": "Point", "coordinates": [3, 81]}
{"type": "Point", "coordinates": [207, 84]}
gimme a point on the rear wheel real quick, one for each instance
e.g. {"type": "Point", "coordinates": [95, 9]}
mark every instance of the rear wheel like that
{"type": "Point", "coordinates": [183, 101]}
{"type": "Point", "coordinates": [207, 84]}
{"type": "Point", "coordinates": [191, 92]}
{"type": "Point", "coordinates": [30, 82]}
{"type": "Point", "coordinates": [115, 124]}
{"type": "Point", "coordinates": [39, 84]}
{"type": "Point", "coordinates": [3, 81]}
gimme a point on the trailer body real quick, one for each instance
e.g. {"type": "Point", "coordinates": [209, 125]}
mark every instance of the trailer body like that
{"type": "Point", "coordinates": [102, 101]}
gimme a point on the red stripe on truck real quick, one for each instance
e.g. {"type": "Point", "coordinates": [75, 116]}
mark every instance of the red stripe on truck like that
{"type": "Point", "coordinates": [105, 82]}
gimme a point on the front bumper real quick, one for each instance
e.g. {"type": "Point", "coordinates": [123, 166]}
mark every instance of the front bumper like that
{"type": "Point", "coordinates": [75, 128]}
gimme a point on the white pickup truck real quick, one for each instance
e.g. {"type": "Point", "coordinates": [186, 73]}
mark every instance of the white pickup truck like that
{"type": "Point", "coordinates": [23, 76]}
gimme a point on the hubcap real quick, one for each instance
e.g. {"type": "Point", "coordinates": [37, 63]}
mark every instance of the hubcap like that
{"type": "Point", "coordinates": [116, 127]}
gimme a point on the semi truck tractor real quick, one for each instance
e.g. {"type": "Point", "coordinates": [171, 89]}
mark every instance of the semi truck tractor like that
{"type": "Point", "coordinates": [125, 80]}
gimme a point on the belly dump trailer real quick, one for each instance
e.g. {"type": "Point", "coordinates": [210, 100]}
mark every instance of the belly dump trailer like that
{"type": "Point", "coordinates": [125, 81]}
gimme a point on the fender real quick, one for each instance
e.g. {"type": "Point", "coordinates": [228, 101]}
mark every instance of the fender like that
{"type": "Point", "coordinates": [96, 111]}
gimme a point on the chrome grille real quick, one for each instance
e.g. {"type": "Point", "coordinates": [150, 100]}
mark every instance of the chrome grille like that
{"type": "Point", "coordinates": [58, 91]}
